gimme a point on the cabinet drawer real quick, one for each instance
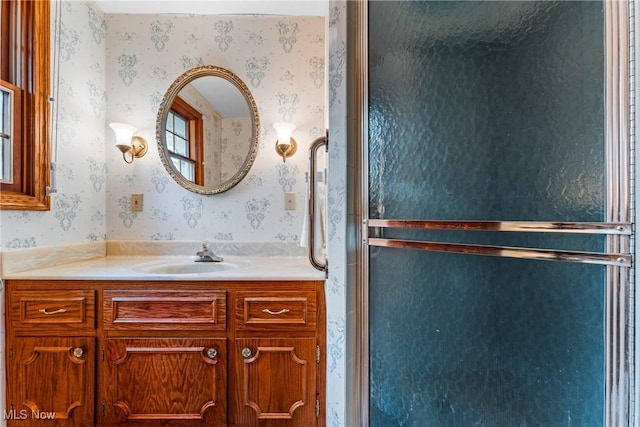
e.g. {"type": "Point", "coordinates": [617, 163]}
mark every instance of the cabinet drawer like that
{"type": "Point", "coordinates": [164, 310]}
{"type": "Point", "coordinates": [53, 308]}
{"type": "Point", "coordinates": [276, 308]}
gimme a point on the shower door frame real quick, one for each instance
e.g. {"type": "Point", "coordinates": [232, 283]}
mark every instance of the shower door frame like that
{"type": "Point", "coordinates": [620, 358]}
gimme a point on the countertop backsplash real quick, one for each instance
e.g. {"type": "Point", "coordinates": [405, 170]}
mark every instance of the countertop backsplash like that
{"type": "Point", "coordinates": [44, 257]}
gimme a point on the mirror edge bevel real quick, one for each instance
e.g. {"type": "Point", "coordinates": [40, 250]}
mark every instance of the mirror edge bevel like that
{"type": "Point", "coordinates": [163, 111]}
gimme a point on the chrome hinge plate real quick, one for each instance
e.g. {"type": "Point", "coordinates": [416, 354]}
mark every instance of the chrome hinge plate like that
{"type": "Point", "coordinates": [317, 354]}
{"type": "Point", "coordinates": [317, 408]}
{"type": "Point", "coordinates": [364, 232]}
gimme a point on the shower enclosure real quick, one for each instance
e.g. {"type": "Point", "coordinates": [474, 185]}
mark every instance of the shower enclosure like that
{"type": "Point", "coordinates": [496, 259]}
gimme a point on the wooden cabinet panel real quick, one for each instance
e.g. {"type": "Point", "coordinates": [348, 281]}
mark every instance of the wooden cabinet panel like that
{"type": "Point", "coordinates": [45, 309]}
{"type": "Point", "coordinates": [276, 382]}
{"type": "Point", "coordinates": [153, 381]}
{"type": "Point", "coordinates": [161, 354]}
{"type": "Point", "coordinates": [269, 309]}
{"type": "Point", "coordinates": [53, 382]}
{"type": "Point", "coordinates": [161, 309]}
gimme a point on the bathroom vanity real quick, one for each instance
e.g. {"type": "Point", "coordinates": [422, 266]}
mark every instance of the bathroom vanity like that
{"type": "Point", "coordinates": [107, 346]}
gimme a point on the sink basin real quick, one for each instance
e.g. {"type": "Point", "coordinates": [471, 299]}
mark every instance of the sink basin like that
{"type": "Point", "coordinates": [184, 268]}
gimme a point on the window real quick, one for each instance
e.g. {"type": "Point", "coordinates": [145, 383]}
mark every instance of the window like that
{"type": "Point", "coordinates": [24, 90]}
{"type": "Point", "coordinates": [7, 138]}
{"type": "Point", "coordinates": [184, 140]}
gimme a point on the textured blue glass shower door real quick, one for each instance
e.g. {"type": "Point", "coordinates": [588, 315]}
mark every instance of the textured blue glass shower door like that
{"type": "Point", "coordinates": [489, 111]}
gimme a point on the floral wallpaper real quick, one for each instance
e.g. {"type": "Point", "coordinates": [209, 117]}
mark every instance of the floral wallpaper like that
{"type": "Point", "coordinates": [116, 68]}
{"type": "Point", "coordinates": [236, 143]}
{"type": "Point", "coordinates": [280, 59]}
{"type": "Point", "coordinates": [78, 209]}
{"type": "Point", "coordinates": [340, 359]}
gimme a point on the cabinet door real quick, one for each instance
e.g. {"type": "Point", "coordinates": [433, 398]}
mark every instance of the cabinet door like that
{"type": "Point", "coordinates": [158, 381]}
{"type": "Point", "coordinates": [276, 382]}
{"type": "Point", "coordinates": [51, 379]}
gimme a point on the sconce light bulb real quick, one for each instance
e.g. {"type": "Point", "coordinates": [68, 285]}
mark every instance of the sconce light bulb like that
{"type": "Point", "coordinates": [285, 145]}
{"type": "Point", "coordinates": [124, 132]}
{"type": "Point", "coordinates": [126, 142]}
{"type": "Point", "coordinates": [284, 130]}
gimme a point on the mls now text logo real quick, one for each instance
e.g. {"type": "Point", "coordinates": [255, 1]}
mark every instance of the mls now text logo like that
{"type": "Point", "coordinates": [24, 414]}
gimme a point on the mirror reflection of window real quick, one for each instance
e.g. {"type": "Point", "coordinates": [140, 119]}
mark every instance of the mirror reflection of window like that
{"type": "Point", "coordinates": [211, 146]}
{"type": "Point", "coordinates": [184, 140]}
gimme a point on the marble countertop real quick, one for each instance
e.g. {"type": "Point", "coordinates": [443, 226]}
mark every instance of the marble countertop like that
{"type": "Point", "coordinates": [164, 267]}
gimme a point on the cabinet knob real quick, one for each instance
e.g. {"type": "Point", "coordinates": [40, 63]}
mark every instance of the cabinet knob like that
{"type": "Point", "coordinates": [212, 352]}
{"type": "Point", "coordinates": [246, 352]}
{"type": "Point", "coordinates": [78, 352]}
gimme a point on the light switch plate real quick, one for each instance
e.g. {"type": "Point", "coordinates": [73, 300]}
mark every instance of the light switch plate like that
{"type": "Point", "coordinates": [289, 201]}
{"type": "Point", "coordinates": [136, 203]}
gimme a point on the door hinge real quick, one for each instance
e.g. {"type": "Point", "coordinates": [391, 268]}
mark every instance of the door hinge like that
{"type": "Point", "coordinates": [317, 354]}
{"type": "Point", "coordinates": [104, 408]}
{"type": "Point", "coordinates": [11, 355]}
{"type": "Point", "coordinates": [103, 354]}
{"type": "Point", "coordinates": [317, 408]}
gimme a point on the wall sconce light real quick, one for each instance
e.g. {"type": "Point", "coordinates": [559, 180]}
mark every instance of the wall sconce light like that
{"type": "Point", "coordinates": [286, 146]}
{"type": "Point", "coordinates": [135, 146]}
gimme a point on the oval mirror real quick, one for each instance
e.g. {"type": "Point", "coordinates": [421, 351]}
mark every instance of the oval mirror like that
{"type": "Point", "coordinates": [208, 129]}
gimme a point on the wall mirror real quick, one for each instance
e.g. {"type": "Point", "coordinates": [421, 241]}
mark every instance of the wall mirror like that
{"type": "Point", "coordinates": [208, 130]}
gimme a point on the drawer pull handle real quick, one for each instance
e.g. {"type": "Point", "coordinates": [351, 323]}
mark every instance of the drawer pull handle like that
{"type": "Point", "coordinates": [49, 313]}
{"type": "Point", "coordinates": [212, 353]}
{"type": "Point", "coordinates": [246, 352]}
{"type": "Point", "coordinates": [78, 352]}
{"type": "Point", "coordinates": [275, 313]}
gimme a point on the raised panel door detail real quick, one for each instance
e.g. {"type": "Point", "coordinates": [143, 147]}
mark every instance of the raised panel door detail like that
{"type": "Point", "coordinates": [153, 309]}
{"type": "Point", "coordinates": [54, 380]}
{"type": "Point", "coordinates": [155, 380]}
{"type": "Point", "coordinates": [276, 382]}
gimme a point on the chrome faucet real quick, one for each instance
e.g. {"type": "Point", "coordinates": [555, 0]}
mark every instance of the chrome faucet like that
{"type": "Point", "coordinates": [206, 255]}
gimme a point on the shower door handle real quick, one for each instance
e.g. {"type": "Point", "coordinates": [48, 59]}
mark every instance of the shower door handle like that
{"type": "Point", "coordinates": [313, 150]}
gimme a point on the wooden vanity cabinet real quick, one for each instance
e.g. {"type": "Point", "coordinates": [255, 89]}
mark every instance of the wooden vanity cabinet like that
{"type": "Point", "coordinates": [50, 356]}
{"type": "Point", "coordinates": [165, 357]}
{"type": "Point", "coordinates": [120, 353]}
{"type": "Point", "coordinates": [277, 358]}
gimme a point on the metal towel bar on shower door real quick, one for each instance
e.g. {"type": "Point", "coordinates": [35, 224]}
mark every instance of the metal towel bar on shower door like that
{"type": "Point", "coordinates": [601, 228]}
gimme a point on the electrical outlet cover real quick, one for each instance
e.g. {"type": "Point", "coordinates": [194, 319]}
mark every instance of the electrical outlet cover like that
{"type": "Point", "coordinates": [136, 203]}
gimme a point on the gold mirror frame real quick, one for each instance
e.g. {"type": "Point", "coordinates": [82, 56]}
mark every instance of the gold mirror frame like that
{"type": "Point", "coordinates": [161, 121]}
